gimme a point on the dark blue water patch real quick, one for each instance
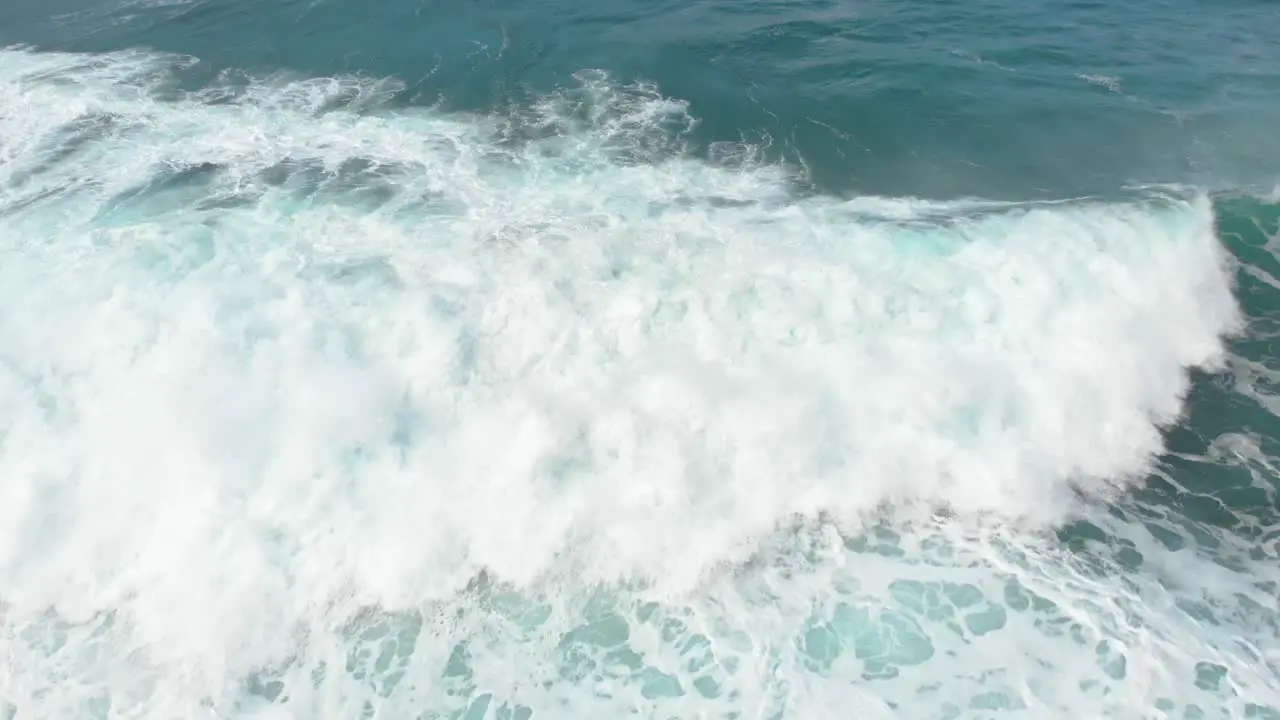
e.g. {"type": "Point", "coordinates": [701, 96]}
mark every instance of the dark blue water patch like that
{"type": "Point", "coordinates": [171, 190]}
{"type": "Point", "coordinates": [65, 143]}
{"type": "Point", "coordinates": [360, 182]}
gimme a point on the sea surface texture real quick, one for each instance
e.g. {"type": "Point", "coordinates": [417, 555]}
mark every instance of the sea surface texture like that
{"type": "Point", "coordinates": [672, 359]}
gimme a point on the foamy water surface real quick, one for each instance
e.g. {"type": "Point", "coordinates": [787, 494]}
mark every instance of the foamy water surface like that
{"type": "Point", "coordinates": [317, 405]}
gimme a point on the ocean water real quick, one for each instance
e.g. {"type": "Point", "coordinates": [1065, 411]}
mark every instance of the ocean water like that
{"type": "Point", "coordinates": [639, 358]}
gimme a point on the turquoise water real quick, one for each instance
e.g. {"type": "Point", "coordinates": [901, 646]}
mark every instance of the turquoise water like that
{"type": "Point", "coordinates": [638, 358]}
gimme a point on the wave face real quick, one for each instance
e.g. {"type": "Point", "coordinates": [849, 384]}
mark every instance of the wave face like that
{"type": "Point", "coordinates": [315, 405]}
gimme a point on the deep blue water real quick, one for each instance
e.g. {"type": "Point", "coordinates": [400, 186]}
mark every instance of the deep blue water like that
{"type": "Point", "coordinates": [936, 99]}
{"type": "Point", "coordinates": [639, 358]}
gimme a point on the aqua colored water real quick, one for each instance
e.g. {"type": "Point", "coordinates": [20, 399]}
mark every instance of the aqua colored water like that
{"type": "Point", "coordinates": [702, 359]}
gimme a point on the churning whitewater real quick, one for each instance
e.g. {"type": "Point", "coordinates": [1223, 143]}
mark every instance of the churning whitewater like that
{"type": "Point", "coordinates": [317, 405]}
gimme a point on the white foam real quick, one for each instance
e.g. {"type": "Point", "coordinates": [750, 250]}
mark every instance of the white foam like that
{"type": "Point", "coordinates": [1110, 82]}
{"type": "Point", "coordinates": [288, 353]}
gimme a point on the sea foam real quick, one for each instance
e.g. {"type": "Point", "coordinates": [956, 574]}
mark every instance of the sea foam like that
{"type": "Point", "coordinates": [314, 404]}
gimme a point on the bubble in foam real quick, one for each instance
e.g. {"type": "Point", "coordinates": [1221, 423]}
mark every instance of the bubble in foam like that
{"type": "Point", "coordinates": [320, 406]}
